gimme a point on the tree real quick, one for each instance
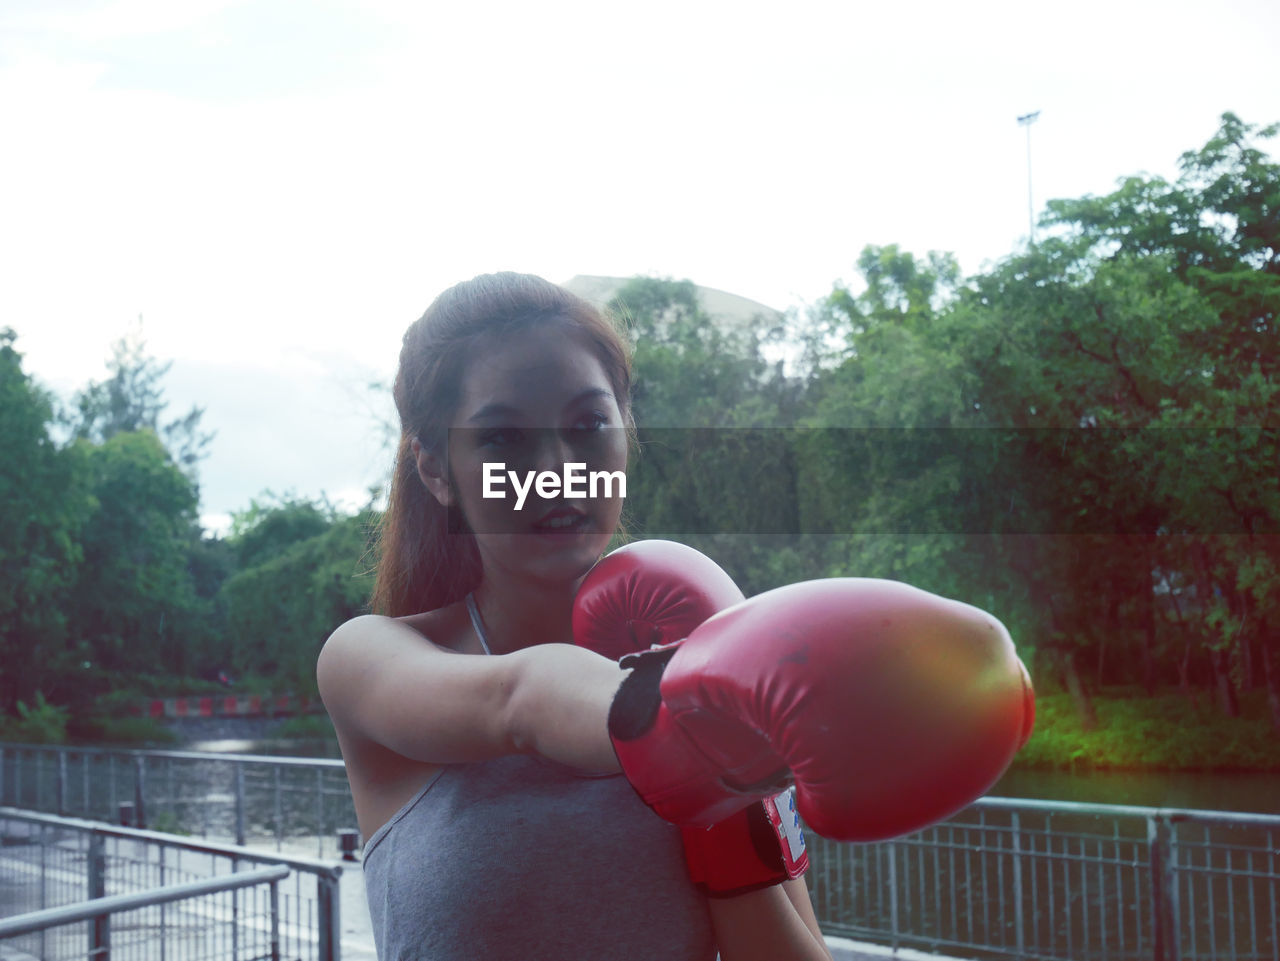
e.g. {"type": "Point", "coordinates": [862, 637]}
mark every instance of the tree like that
{"type": "Point", "coordinates": [280, 610]}
{"type": "Point", "coordinates": [270, 526]}
{"type": "Point", "coordinates": [135, 608]}
{"type": "Point", "coordinates": [712, 464]}
{"type": "Point", "coordinates": [44, 502]}
{"type": "Point", "coordinates": [131, 400]}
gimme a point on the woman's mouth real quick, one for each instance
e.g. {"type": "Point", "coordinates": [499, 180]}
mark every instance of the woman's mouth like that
{"type": "Point", "coordinates": [562, 520]}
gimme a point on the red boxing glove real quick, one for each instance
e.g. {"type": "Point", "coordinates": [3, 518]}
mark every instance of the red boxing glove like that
{"type": "Point", "coordinates": [887, 707]}
{"type": "Point", "coordinates": [656, 592]}
{"type": "Point", "coordinates": [647, 593]}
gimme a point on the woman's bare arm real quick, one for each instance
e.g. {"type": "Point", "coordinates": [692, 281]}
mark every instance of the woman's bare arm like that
{"type": "Point", "coordinates": [772, 924]}
{"type": "Point", "coordinates": [385, 682]}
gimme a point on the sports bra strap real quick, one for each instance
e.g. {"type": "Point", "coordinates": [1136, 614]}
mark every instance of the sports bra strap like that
{"type": "Point", "coordinates": [477, 623]}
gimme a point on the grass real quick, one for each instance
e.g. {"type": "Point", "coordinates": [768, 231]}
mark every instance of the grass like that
{"type": "Point", "coordinates": [1166, 732]}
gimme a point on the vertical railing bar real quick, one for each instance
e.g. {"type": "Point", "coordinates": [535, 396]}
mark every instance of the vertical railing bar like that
{"type": "Point", "coordinates": [240, 811]}
{"type": "Point", "coordinates": [1120, 901]}
{"type": "Point", "coordinates": [1205, 871]}
{"type": "Point", "coordinates": [937, 886]}
{"type": "Point", "coordinates": [1048, 859]}
{"type": "Point", "coordinates": [1104, 935]}
{"type": "Point", "coordinates": [877, 867]}
{"type": "Point", "coordinates": [100, 936]}
{"type": "Point", "coordinates": [951, 876]}
{"type": "Point", "coordinates": [1019, 934]}
{"type": "Point", "coordinates": [921, 874]}
{"type": "Point", "coordinates": [987, 852]}
{"type": "Point", "coordinates": [891, 850]}
{"type": "Point", "coordinates": [319, 812]}
{"type": "Point", "coordinates": [140, 789]}
{"type": "Point", "coordinates": [62, 784]}
{"type": "Point", "coordinates": [275, 920]}
{"type": "Point", "coordinates": [1253, 908]}
{"type": "Point", "coordinates": [278, 810]}
{"type": "Point", "coordinates": [1231, 900]}
{"type": "Point", "coordinates": [162, 859]}
{"type": "Point", "coordinates": [968, 888]}
{"type": "Point", "coordinates": [1066, 900]}
{"type": "Point", "coordinates": [1084, 895]}
{"type": "Point", "coordinates": [1275, 928]}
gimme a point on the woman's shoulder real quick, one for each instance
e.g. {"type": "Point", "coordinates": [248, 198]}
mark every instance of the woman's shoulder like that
{"type": "Point", "coordinates": [445, 627]}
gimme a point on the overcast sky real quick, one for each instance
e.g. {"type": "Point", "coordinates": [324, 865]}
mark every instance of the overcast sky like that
{"type": "Point", "coordinates": [279, 188]}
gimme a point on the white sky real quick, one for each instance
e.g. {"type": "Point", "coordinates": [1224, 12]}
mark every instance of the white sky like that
{"type": "Point", "coordinates": [279, 188]}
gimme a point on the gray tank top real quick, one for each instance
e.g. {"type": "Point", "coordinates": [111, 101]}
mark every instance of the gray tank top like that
{"type": "Point", "coordinates": [522, 859]}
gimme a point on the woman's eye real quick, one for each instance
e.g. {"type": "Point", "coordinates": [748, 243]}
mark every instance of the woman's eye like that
{"type": "Point", "coordinates": [592, 421]}
{"type": "Point", "coordinates": [500, 437]}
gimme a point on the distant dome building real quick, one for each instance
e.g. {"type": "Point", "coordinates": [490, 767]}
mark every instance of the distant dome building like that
{"type": "Point", "coordinates": [719, 304]}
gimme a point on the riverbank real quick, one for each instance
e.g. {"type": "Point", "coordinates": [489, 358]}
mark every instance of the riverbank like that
{"type": "Point", "coordinates": [1168, 732]}
{"type": "Point", "coordinates": [1165, 733]}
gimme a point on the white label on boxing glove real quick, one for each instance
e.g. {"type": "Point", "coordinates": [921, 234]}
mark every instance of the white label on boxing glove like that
{"type": "Point", "coordinates": [786, 805]}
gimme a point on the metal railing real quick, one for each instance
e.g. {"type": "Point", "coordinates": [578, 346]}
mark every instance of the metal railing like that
{"type": "Point", "coordinates": [48, 861]}
{"type": "Point", "coordinates": [1061, 881]}
{"type": "Point", "coordinates": [203, 926]}
{"type": "Point", "coordinates": [289, 803]}
{"type": "Point", "coordinates": [1006, 878]}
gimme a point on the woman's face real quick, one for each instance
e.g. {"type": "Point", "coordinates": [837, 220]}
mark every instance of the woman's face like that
{"type": "Point", "coordinates": [531, 403]}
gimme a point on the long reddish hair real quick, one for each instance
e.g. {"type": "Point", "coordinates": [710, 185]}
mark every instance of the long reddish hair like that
{"type": "Point", "coordinates": [426, 557]}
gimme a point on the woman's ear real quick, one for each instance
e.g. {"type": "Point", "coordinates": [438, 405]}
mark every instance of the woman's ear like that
{"type": "Point", "coordinates": [433, 473]}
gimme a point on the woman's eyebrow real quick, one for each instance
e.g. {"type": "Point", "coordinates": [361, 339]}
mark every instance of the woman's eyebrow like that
{"type": "Point", "coordinates": [591, 393]}
{"type": "Point", "coordinates": [493, 410]}
{"type": "Point", "coordinates": [500, 409]}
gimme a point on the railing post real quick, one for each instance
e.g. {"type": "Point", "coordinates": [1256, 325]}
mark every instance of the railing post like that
{"type": "Point", "coordinates": [1164, 889]}
{"type": "Point", "coordinates": [892, 848]}
{"type": "Point", "coordinates": [275, 921]}
{"type": "Point", "coordinates": [277, 808]}
{"type": "Point", "coordinates": [62, 783]}
{"type": "Point", "coordinates": [240, 832]}
{"type": "Point", "coordinates": [328, 903]}
{"type": "Point", "coordinates": [1019, 932]}
{"type": "Point", "coordinates": [319, 813]}
{"type": "Point", "coordinates": [4, 755]}
{"type": "Point", "coordinates": [99, 927]}
{"type": "Point", "coordinates": [139, 790]}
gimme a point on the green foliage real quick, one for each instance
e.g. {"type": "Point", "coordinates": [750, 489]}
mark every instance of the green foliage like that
{"type": "Point", "coordinates": [38, 723]}
{"type": "Point", "coordinates": [122, 730]}
{"type": "Point", "coordinates": [1165, 732]}
{"type": "Point", "coordinates": [306, 727]}
{"type": "Point", "coordinates": [279, 612]}
{"type": "Point", "coordinates": [44, 505]}
{"type": "Point", "coordinates": [135, 606]}
{"type": "Point", "coordinates": [270, 526]}
{"type": "Point", "coordinates": [130, 400]}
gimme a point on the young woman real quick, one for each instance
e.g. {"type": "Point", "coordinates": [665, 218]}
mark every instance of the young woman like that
{"type": "Point", "coordinates": [474, 734]}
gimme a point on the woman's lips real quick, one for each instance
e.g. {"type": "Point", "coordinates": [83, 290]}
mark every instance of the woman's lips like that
{"type": "Point", "coordinates": [562, 520]}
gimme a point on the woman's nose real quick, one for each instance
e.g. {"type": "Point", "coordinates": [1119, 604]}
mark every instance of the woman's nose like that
{"type": "Point", "coordinates": [552, 450]}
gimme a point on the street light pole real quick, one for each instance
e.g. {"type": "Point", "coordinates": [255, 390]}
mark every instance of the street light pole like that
{"type": "Point", "coordinates": [1026, 120]}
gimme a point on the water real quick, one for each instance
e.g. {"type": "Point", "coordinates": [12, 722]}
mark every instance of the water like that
{"type": "Point", "coordinates": [1252, 792]}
